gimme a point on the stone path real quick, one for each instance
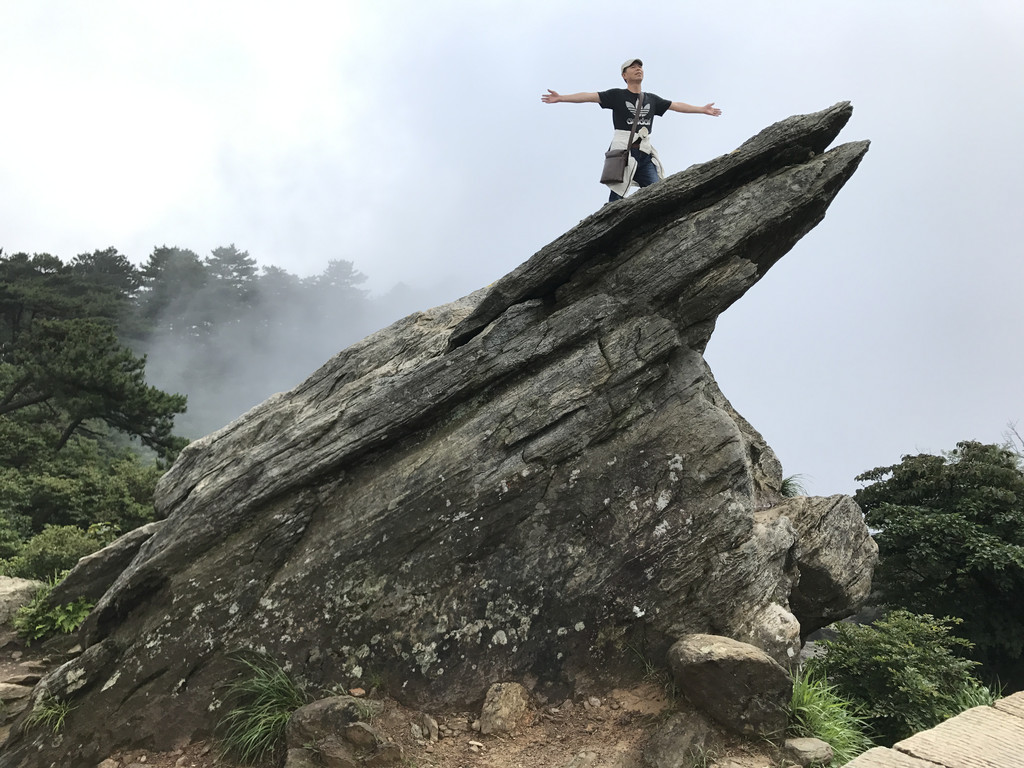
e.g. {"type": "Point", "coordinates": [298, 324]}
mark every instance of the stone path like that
{"type": "Point", "coordinates": [983, 737]}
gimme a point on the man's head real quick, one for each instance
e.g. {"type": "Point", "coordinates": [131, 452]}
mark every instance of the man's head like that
{"type": "Point", "coordinates": [632, 68]}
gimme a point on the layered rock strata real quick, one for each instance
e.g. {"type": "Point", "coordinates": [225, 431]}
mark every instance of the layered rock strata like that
{"type": "Point", "coordinates": [519, 485]}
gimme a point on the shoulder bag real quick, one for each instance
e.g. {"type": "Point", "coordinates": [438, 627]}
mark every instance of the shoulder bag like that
{"type": "Point", "coordinates": [617, 160]}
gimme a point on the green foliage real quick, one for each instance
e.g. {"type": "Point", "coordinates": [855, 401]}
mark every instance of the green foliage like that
{"type": "Point", "coordinates": [14, 531]}
{"type": "Point", "coordinates": [78, 371]}
{"type": "Point", "coordinates": [904, 673]}
{"type": "Point", "coordinates": [793, 486]}
{"type": "Point", "coordinates": [38, 619]}
{"type": "Point", "coordinates": [50, 553]}
{"type": "Point", "coordinates": [816, 710]}
{"type": "Point", "coordinates": [261, 702]}
{"type": "Point", "coordinates": [50, 713]}
{"type": "Point", "coordinates": [950, 532]}
{"type": "Point", "coordinates": [84, 484]}
{"type": "Point", "coordinates": [62, 364]}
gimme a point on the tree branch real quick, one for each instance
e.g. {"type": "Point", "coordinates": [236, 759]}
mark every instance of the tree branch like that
{"type": "Point", "coordinates": [69, 430]}
{"type": "Point", "coordinates": [17, 405]}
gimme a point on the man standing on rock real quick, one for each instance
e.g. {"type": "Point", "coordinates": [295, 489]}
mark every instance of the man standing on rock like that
{"type": "Point", "coordinates": [644, 166]}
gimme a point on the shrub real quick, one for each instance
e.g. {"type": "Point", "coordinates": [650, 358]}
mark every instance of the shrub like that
{"type": "Point", "coordinates": [903, 673]}
{"type": "Point", "coordinates": [818, 711]}
{"type": "Point", "coordinates": [84, 483]}
{"type": "Point", "coordinates": [950, 533]}
{"type": "Point", "coordinates": [50, 553]}
{"type": "Point", "coordinates": [261, 702]}
{"type": "Point", "coordinates": [39, 619]}
{"type": "Point", "coordinates": [14, 531]}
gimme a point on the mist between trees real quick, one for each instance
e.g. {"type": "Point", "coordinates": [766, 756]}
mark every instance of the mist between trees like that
{"type": "Point", "coordinates": [108, 369]}
{"type": "Point", "coordinates": [228, 334]}
{"type": "Point", "coordinates": [220, 330]}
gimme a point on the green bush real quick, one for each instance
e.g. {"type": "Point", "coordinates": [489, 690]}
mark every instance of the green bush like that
{"type": "Point", "coordinates": [50, 553]}
{"type": "Point", "coordinates": [904, 673]}
{"type": "Point", "coordinates": [261, 702]}
{"type": "Point", "coordinates": [950, 533]}
{"type": "Point", "coordinates": [817, 710]}
{"type": "Point", "coordinates": [39, 619]}
{"type": "Point", "coordinates": [15, 530]}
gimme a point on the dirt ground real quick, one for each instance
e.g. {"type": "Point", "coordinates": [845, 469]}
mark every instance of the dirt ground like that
{"type": "Point", "coordinates": [609, 732]}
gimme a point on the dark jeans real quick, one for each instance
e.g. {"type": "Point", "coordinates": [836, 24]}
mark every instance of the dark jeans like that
{"type": "Point", "coordinates": [646, 174]}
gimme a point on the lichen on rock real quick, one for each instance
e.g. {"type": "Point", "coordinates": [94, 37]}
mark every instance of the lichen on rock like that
{"type": "Point", "coordinates": [494, 488]}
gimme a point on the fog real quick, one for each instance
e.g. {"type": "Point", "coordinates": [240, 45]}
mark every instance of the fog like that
{"type": "Point", "coordinates": [410, 139]}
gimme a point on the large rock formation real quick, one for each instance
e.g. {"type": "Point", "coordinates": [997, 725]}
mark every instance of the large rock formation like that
{"type": "Point", "coordinates": [514, 486]}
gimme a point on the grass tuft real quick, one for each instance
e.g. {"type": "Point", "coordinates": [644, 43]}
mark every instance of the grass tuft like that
{"type": "Point", "coordinates": [818, 711]}
{"type": "Point", "coordinates": [793, 486]}
{"type": "Point", "coordinates": [50, 713]}
{"type": "Point", "coordinates": [261, 702]}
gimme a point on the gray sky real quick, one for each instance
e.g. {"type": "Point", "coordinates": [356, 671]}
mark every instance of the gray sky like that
{"type": "Point", "coordinates": [409, 137]}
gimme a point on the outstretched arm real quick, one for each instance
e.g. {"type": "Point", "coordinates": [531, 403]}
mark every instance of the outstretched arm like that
{"type": "Point", "coordinates": [707, 109]}
{"type": "Point", "coordinates": [552, 97]}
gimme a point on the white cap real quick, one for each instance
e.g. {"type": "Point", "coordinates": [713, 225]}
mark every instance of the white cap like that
{"type": "Point", "coordinates": [628, 63]}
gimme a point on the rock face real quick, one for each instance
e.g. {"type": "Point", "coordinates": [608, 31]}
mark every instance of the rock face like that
{"type": "Point", "coordinates": [513, 486]}
{"type": "Point", "coordinates": [94, 573]}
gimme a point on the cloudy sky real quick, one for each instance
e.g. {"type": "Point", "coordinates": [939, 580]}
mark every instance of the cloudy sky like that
{"type": "Point", "coordinates": [409, 137]}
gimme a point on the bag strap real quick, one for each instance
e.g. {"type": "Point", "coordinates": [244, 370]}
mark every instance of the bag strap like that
{"type": "Point", "coordinates": [636, 120]}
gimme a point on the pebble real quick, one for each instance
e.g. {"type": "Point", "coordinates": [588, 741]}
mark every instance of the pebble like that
{"type": "Point", "coordinates": [430, 727]}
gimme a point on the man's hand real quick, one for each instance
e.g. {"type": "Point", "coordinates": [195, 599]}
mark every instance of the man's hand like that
{"type": "Point", "coordinates": [551, 97]}
{"type": "Point", "coordinates": [711, 109]}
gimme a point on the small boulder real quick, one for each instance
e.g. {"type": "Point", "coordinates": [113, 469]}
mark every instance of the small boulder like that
{"type": "Point", "coordinates": [386, 755]}
{"type": "Point", "coordinates": [361, 735]}
{"type": "Point", "coordinates": [504, 707]}
{"type": "Point", "coordinates": [326, 717]}
{"type": "Point", "coordinates": [14, 593]}
{"type": "Point", "coordinates": [678, 742]}
{"type": "Point", "coordinates": [11, 692]}
{"type": "Point", "coordinates": [430, 728]}
{"type": "Point", "coordinates": [334, 752]}
{"type": "Point", "coordinates": [738, 685]}
{"type": "Point", "coordinates": [13, 700]}
{"type": "Point", "coordinates": [807, 751]}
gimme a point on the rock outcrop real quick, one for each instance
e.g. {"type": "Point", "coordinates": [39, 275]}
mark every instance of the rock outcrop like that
{"type": "Point", "coordinates": [93, 574]}
{"type": "Point", "coordinates": [514, 486]}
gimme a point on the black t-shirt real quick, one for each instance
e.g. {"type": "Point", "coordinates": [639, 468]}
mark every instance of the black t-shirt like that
{"type": "Point", "coordinates": [622, 103]}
